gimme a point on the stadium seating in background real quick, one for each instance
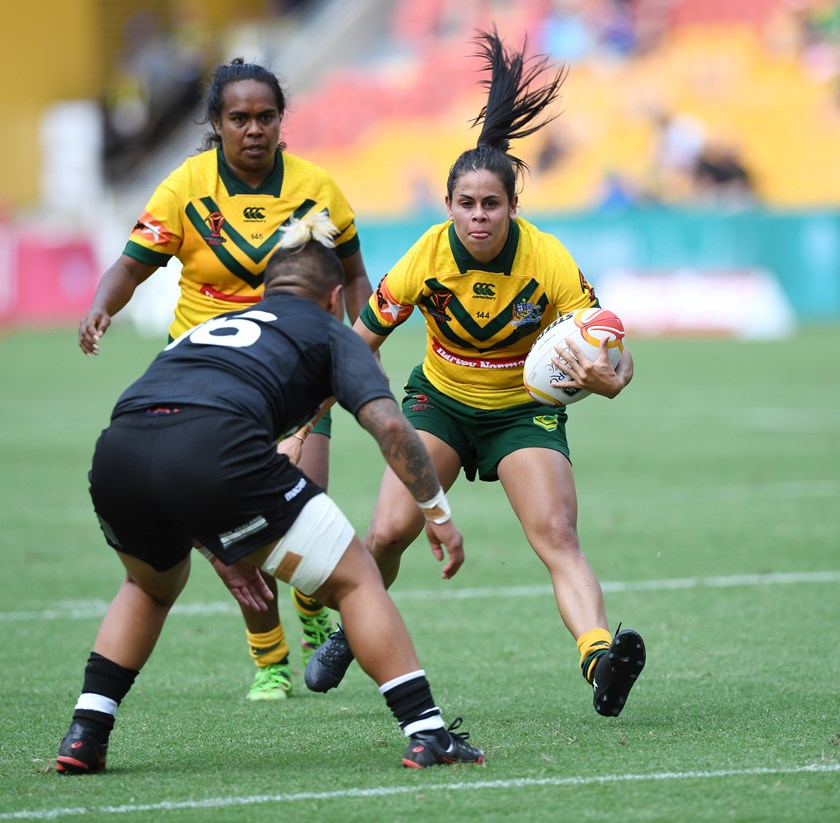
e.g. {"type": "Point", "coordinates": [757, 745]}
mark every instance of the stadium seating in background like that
{"type": "Point", "coordinates": [716, 12]}
{"type": "Point", "coordinates": [756, 78]}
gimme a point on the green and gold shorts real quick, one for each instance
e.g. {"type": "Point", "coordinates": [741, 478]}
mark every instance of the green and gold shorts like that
{"type": "Point", "coordinates": [482, 437]}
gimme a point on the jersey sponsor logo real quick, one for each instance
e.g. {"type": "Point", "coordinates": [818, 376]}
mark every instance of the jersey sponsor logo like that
{"type": "Point", "coordinates": [215, 220]}
{"type": "Point", "coordinates": [295, 490]}
{"type": "Point", "coordinates": [515, 362]}
{"type": "Point", "coordinates": [151, 229]}
{"type": "Point", "coordinates": [547, 421]}
{"type": "Point", "coordinates": [254, 214]}
{"type": "Point", "coordinates": [524, 313]}
{"type": "Point", "coordinates": [484, 291]}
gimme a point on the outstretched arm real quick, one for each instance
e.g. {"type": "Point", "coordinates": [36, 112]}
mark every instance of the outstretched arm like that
{"type": "Point", "coordinates": [407, 456]}
{"type": "Point", "coordinates": [116, 288]}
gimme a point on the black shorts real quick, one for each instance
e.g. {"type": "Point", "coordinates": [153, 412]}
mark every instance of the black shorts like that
{"type": "Point", "coordinates": [162, 479]}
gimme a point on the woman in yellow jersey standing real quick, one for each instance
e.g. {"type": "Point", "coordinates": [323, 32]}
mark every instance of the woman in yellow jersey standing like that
{"type": "Point", "coordinates": [220, 213]}
{"type": "Point", "coordinates": [487, 282]}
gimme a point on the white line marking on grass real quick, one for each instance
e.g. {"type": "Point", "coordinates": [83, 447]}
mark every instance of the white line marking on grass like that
{"type": "Point", "coordinates": [89, 609]}
{"type": "Point", "coordinates": [388, 791]}
{"type": "Point", "coordinates": [632, 586]}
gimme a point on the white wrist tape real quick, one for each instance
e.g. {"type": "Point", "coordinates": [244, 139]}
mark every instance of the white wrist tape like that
{"type": "Point", "coordinates": [437, 509]}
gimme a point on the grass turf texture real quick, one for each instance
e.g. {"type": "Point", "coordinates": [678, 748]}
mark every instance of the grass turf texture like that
{"type": "Point", "coordinates": [719, 461]}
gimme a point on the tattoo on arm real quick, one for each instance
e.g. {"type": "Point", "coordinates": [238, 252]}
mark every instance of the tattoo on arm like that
{"type": "Point", "coordinates": [401, 446]}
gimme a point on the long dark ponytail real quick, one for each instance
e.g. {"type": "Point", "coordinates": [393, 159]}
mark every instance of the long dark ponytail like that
{"type": "Point", "coordinates": [510, 112]}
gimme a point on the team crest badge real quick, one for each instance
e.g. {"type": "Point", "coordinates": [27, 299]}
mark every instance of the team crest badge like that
{"type": "Point", "coordinates": [524, 313]}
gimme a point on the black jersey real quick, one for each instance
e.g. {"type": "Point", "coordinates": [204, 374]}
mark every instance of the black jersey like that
{"type": "Point", "coordinates": [274, 362]}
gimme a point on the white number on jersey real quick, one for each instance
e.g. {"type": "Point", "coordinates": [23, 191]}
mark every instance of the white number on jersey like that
{"type": "Point", "coordinates": [239, 331]}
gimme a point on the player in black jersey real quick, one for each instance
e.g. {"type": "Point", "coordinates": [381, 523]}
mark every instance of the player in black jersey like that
{"type": "Point", "coordinates": [190, 455]}
{"type": "Point", "coordinates": [219, 214]}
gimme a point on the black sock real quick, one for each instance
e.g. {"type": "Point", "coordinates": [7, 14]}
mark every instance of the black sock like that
{"type": "Point", "coordinates": [411, 701]}
{"type": "Point", "coordinates": [108, 679]}
{"type": "Point", "coordinates": [103, 676]}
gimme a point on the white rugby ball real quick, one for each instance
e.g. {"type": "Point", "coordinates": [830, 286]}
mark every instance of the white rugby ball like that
{"type": "Point", "coordinates": [544, 381]}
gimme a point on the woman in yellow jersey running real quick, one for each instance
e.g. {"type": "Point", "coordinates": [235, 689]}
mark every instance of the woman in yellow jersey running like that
{"type": "Point", "coordinates": [220, 213]}
{"type": "Point", "coordinates": [487, 282]}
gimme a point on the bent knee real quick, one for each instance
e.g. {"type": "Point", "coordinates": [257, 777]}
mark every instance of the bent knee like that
{"type": "Point", "coordinates": [387, 537]}
{"type": "Point", "coordinates": [162, 590]}
{"type": "Point", "coordinates": [555, 537]}
{"type": "Point", "coordinates": [162, 598]}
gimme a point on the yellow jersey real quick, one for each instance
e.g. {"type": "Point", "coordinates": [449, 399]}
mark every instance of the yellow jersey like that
{"type": "Point", "coordinates": [223, 231]}
{"type": "Point", "coordinates": [481, 318]}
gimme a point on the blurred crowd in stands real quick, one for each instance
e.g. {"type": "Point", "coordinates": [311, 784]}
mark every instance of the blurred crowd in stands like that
{"type": "Point", "coordinates": [626, 97]}
{"type": "Point", "coordinates": [155, 85]}
{"type": "Point", "coordinates": [159, 78]}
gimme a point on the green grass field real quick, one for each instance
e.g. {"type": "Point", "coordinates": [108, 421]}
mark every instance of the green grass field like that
{"type": "Point", "coordinates": [709, 506]}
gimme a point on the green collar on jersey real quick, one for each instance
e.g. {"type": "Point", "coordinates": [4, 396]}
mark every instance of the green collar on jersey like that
{"type": "Point", "coordinates": [236, 185]}
{"type": "Point", "coordinates": [502, 262]}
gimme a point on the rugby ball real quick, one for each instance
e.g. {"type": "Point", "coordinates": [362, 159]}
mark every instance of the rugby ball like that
{"type": "Point", "coordinates": [544, 381]}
